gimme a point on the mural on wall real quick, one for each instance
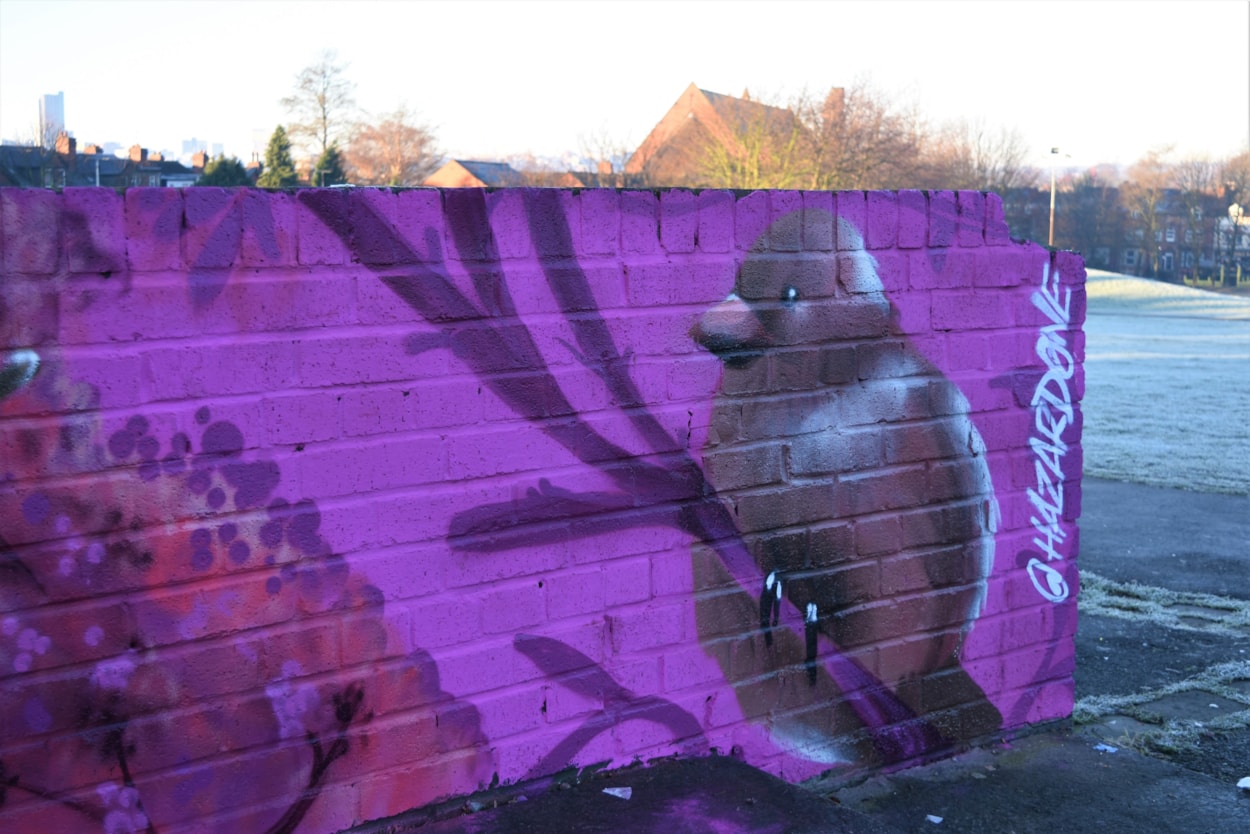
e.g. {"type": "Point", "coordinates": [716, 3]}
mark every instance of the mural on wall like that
{"type": "Point", "coordinates": [803, 318]}
{"type": "Point", "coordinates": [188, 633]}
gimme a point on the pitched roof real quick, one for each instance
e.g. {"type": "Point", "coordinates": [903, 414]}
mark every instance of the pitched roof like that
{"type": "Point", "coordinates": [473, 173]}
{"type": "Point", "coordinates": [109, 165]}
{"type": "Point", "coordinates": [173, 166]}
{"type": "Point", "coordinates": [28, 166]}
{"type": "Point", "coordinates": [24, 156]}
{"type": "Point", "coordinates": [493, 173]}
{"type": "Point", "coordinates": [672, 151]}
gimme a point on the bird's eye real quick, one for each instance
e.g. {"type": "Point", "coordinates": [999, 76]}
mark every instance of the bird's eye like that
{"type": "Point", "coordinates": [790, 295]}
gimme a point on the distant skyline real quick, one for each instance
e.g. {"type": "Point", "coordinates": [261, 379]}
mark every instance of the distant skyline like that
{"type": "Point", "coordinates": [1105, 81]}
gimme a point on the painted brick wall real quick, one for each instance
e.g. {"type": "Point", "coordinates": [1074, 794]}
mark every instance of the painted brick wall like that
{"type": "Point", "coordinates": [321, 506]}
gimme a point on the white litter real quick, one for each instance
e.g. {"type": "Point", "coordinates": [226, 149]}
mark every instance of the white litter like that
{"type": "Point", "coordinates": [622, 793]}
{"type": "Point", "coordinates": [1244, 784]}
{"type": "Point", "coordinates": [936, 820]}
{"type": "Point", "coordinates": [1105, 748]}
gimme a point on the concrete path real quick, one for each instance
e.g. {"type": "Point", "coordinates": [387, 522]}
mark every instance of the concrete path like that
{"type": "Point", "coordinates": [1170, 538]}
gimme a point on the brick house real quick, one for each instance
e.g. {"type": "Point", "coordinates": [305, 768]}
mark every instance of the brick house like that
{"type": "Point", "coordinates": [64, 165]}
{"type": "Point", "coordinates": [674, 152]}
{"type": "Point", "coordinates": [470, 173]}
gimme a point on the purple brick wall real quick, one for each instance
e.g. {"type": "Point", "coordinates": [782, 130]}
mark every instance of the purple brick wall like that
{"type": "Point", "coordinates": [319, 507]}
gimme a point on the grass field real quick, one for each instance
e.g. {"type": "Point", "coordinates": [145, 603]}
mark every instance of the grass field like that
{"type": "Point", "coordinates": [1167, 394]}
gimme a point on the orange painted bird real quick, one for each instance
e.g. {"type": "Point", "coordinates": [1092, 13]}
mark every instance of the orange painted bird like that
{"type": "Point", "coordinates": [860, 486]}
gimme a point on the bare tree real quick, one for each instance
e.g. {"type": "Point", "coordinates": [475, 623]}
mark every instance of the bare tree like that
{"type": "Point", "coordinates": [1195, 175]}
{"type": "Point", "coordinates": [1147, 182]}
{"type": "Point", "coordinates": [1196, 179]}
{"type": "Point", "coordinates": [968, 155]}
{"type": "Point", "coordinates": [42, 133]}
{"type": "Point", "coordinates": [323, 104]}
{"type": "Point", "coordinates": [768, 148]}
{"type": "Point", "coordinates": [606, 156]}
{"type": "Point", "coordinates": [1233, 177]}
{"type": "Point", "coordinates": [394, 149]}
{"type": "Point", "coordinates": [859, 138]}
{"type": "Point", "coordinates": [1089, 220]}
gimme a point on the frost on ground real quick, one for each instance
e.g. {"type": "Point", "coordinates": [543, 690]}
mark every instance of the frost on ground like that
{"type": "Point", "coordinates": [1167, 385]}
{"type": "Point", "coordinates": [1163, 607]}
{"type": "Point", "coordinates": [1112, 292]}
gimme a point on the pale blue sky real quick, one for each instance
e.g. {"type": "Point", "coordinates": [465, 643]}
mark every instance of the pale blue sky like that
{"type": "Point", "coordinates": [1106, 80]}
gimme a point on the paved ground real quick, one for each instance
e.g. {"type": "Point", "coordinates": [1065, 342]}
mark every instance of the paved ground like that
{"type": "Point", "coordinates": [1187, 542]}
{"type": "Point", "coordinates": [1046, 783]}
{"type": "Point", "coordinates": [717, 794]}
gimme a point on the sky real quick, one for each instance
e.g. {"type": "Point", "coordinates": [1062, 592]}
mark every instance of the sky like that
{"type": "Point", "coordinates": [1105, 81]}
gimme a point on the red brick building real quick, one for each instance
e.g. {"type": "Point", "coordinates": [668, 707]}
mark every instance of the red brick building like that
{"type": "Point", "coordinates": [675, 151]}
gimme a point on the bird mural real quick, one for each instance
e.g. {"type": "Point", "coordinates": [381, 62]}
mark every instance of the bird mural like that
{"type": "Point", "coordinates": [860, 487]}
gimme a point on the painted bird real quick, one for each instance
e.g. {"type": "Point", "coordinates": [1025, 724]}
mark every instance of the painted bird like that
{"type": "Point", "coordinates": [860, 486]}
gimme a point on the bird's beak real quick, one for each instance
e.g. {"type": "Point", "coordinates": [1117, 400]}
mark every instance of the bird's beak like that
{"type": "Point", "coordinates": [729, 327]}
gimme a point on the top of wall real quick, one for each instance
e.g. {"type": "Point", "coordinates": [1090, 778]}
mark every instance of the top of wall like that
{"type": "Point", "coordinates": [164, 228]}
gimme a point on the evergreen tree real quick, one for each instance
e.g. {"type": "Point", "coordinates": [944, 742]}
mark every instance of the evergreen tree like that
{"type": "Point", "coordinates": [329, 168]}
{"type": "Point", "coordinates": [279, 167]}
{"type": "Point", "coordinates": [224, 171]}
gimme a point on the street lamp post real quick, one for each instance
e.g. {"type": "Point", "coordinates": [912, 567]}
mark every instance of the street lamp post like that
{"type": "Point", "coordinates": [1053, 153]}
